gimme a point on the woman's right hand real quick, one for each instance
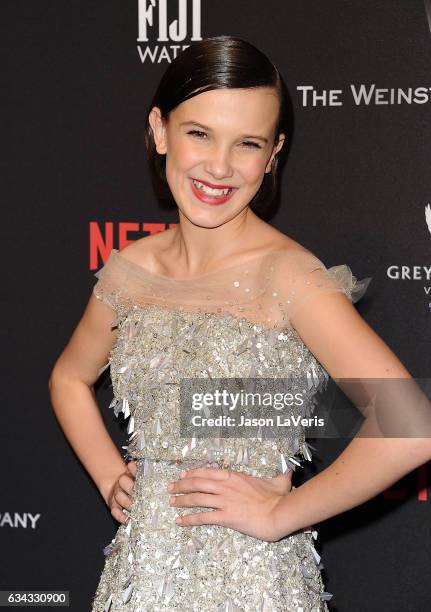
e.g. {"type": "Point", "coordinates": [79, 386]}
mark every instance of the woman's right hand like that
{"type": "Point", "coordinates": [121, 492]}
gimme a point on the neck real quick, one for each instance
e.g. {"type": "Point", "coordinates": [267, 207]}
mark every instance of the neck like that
{"type": "Point", "coordinates": [196, 248]}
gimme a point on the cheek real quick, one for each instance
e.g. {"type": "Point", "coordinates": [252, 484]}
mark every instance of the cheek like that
{"type": "Point", "coordinates": [252, 170]}
{"type": "Point", "coordinates": [182, 156]}
{"type": "Point", "coordinates": [179, 164]}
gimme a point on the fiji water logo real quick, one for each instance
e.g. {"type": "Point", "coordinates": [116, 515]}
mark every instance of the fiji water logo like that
{"type": "Point", "coordinates": [165, 29]}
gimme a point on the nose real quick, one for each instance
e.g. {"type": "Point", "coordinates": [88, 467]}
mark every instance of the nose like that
{"type": "Point", "coordinates": [218, 162]}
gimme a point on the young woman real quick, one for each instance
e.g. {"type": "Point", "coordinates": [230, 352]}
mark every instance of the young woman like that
{"type": "Point", "coordinates": [211, 524]}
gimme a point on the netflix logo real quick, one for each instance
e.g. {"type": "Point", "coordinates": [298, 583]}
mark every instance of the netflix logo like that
{"type": "Point", "coordinates": [108, 235]}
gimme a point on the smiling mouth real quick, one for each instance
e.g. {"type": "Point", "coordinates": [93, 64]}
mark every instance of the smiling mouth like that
{"type": "Point", "coordinates": [211, 191]}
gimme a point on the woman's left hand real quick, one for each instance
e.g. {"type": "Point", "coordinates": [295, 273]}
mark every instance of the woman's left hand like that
{"type": "Point", "coordinates": [245, 503]}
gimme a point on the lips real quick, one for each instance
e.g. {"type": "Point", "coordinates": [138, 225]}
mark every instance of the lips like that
{"type": "Point", "coordinates": [213, 185]}
{"type": "Point", "coordinates": [210, 199]}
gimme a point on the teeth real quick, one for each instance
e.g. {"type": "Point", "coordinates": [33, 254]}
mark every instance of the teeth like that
{"type": "Point", "coordinates": [210, 190]}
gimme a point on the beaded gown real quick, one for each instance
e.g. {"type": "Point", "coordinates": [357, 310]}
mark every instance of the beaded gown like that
{"type": "Point", "coordinates": [236, 322]}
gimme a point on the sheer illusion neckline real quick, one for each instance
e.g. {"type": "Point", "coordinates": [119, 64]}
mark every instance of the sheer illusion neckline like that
{"type": "Point", "coordinates": [140, 269]}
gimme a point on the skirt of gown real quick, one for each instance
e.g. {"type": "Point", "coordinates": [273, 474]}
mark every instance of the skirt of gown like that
{"type": "Point", "coordinates": [153, 564]}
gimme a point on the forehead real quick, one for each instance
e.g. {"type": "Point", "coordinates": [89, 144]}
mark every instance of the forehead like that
{"type": "Point", "coordinates": [234, 109]}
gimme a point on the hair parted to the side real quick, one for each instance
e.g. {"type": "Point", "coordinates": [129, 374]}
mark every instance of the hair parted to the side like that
{"type": "Point", "coordinates": [220, 62]}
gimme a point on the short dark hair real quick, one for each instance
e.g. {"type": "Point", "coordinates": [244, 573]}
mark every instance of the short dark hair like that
{"type": "Point", "coordinates": [219, 62]}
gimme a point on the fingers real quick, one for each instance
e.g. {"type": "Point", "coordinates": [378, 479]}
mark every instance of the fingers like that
{"type": "Point", "coordinates": [132, 468]}
{"type": "Point", "coordinates": [118, 503]}
{"type": "Point", "coordinates": [215, 517]}
{"type": "Point", "coordinates": [209, 472]}
{"type": "Point", "coordinates": [122, 491]}
{"type": "Point", "coordinates": [118, 514]}
{"type": "Point", "coordinates": [126, 482]}
{"type": "Point", "coordinates": [190, 500]}
{"type": "Point", "coordinates": [122, 499]}
{"type": "Point", "coordinates": [189, 485]}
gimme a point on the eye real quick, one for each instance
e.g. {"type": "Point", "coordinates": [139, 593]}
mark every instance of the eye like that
{"type": "Point", "coordinates": [251, 144]}
{"type": "Point", "coordinates": [197, 133]}
{"type": "Point", "coordinates": [247, 143]}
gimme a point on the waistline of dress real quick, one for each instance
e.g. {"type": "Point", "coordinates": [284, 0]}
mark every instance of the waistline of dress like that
{"type": "Point", "coordinates": [150, 464]}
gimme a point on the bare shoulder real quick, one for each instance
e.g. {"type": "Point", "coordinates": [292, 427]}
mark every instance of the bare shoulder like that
{"type": "Point", "coordinates": [273, 240]}
{"type": "Point", "coordinates": [144, 251]}
{"type": "Point", "coordinates": [286, 247]}
{"type": "Point", "coordinates": [291, 260]}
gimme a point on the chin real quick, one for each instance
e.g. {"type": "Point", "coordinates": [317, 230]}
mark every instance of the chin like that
{"type": "Point", "coordinates": [206, 220]}
{"type": "Point", "coordinates": [214, 216]}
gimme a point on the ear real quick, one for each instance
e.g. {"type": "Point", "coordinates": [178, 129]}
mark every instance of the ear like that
{"type": "Point", "coordinates": [159, 130]}
{"type": "Point", "coordinates": [276, 149]}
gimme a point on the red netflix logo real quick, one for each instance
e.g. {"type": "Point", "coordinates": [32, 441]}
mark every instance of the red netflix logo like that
{"type": "Point", "coordinates": [104, 237]}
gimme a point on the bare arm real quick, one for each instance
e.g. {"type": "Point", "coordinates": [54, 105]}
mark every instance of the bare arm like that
{"type": "Point", "coordinates": [349, 348]}
{"type": "Point", "coordinates": [73, 398]}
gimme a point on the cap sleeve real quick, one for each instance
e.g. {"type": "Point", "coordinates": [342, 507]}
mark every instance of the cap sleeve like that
{"type": "Point", "coordinates": [112, 286]}
{"type": "Point", "coordinates": [303, 276]}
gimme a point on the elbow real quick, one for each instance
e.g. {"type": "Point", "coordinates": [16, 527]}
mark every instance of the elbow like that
{"type": "Point", "coordinates": [61, 380]}
{"type": "Point", "coordinates": [51, 382]}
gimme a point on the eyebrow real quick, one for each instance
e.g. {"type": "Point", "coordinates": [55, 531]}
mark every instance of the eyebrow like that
{"type": "Point", "coordinates": [204, 127]}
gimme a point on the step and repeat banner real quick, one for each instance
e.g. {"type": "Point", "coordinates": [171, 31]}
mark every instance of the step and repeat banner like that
{"type": "Point", "coordinates": [356, 190]}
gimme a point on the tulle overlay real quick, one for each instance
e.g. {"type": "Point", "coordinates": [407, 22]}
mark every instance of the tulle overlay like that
{"type": "Point", "coordinates": [235, 322]}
